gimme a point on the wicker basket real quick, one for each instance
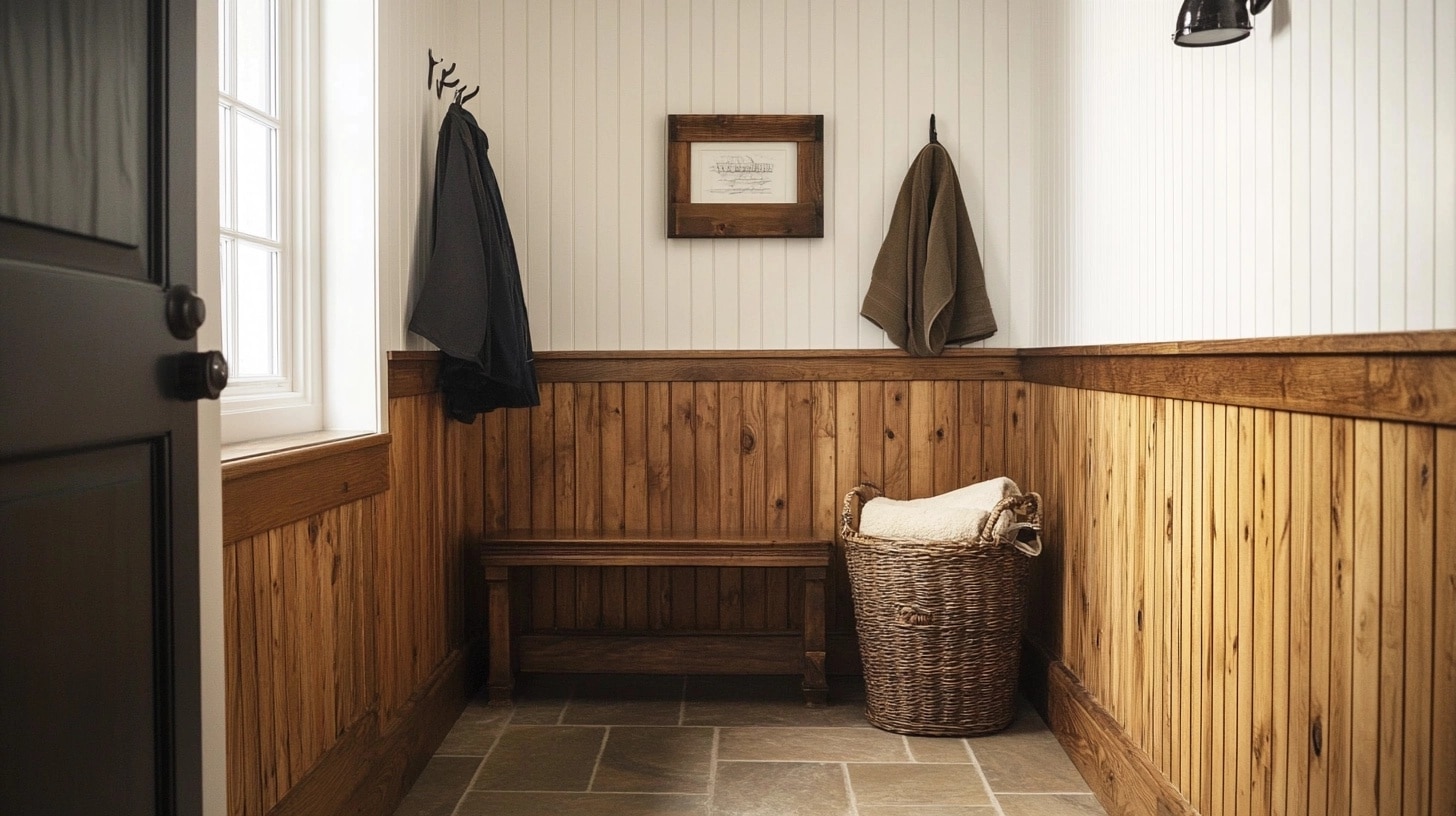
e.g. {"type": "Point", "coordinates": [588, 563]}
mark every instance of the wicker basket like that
{"type": "Point", "coordinates": [940, 622]}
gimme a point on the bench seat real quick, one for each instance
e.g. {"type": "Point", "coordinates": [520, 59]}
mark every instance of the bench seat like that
{"type": "Point", "coordinates": [553, 548]}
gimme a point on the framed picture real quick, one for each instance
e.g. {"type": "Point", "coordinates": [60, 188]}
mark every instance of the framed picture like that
{"type": "Point", "coordinates": [745, 176]}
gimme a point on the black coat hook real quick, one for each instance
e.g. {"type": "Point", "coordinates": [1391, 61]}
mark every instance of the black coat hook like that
{"type": "Point", "coordinates": [430, 80]}
{"type": "Point", "coordinates": [461, 97]}
{"type": "Point", "coordinates": [932, 130]}
{"type": "Point", "coordinates": [441, 85]}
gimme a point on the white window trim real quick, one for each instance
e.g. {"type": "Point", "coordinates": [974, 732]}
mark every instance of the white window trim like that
{"type": "Point", "coordinates": [293, 403]}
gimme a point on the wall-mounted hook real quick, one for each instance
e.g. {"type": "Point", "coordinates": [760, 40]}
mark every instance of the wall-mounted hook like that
{"type": "Point", "coordinates": [430, 80]}
{"type": "Point", "coordinates": [461, 97]}
{"type": "Point", "coordinates": [441, 85]}
{"type": "Point", "coordinates": [932, 130]}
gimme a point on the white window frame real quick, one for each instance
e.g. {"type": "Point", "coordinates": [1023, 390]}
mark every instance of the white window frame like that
{"type": "Point", "coordinates": [291, 403]}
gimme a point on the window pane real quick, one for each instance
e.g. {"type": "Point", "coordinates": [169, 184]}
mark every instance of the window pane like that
{"type": "Point", "coordinates": [256, 51]}
{"type": "Point", "coordinates": [257, 312]}
{"type": "Point", "coordinates": [225, 165]}
{"type": "Point", "coordinates": [257, 174]}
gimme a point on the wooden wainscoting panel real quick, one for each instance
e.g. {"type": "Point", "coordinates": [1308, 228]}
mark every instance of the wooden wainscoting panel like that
{"type": "Point", "coordinates": [262, 493]}
{"type": "Point", "coordinates": [295, 649]}
{"type": "Point", "coordinates": [757, 456]}
{"type": "Point", "coordinates": [1253, 597]}
{"type": "Point", "coordinates": [438, 502]}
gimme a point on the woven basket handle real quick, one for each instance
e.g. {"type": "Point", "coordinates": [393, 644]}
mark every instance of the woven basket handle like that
{"type": "Point", "coordinates": [864, 493]}
{"type": "Point", "coordinates": [1027, 506]}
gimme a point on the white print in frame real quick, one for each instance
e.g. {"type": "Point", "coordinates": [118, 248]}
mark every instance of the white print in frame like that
{"type": "Point", "coordinates": [744, 173]}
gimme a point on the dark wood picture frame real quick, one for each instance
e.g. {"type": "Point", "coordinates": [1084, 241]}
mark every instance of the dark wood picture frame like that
{"type": "Point", "coordinates": [804, 219]}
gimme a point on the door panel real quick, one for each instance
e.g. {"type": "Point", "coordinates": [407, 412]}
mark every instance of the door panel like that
{"type": "Point", "coordinates": [99, 653]}
{"type": "Point", "coordinates": [79, 597]}
{"type": "Point", "coordinates": [77, 161]}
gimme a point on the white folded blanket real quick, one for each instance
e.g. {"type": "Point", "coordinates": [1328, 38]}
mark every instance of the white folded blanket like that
{"type": "Point", "coordinates": [954, 516]}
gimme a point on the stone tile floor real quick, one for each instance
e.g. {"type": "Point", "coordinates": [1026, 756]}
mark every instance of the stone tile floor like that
{"type": "Point", "coordinates": [729, 746]}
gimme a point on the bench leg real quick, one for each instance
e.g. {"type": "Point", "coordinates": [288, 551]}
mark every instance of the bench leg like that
{"type": "Point", "coordinates": [501, 679]}
{"type": "Point", "coordinates": [816, 689]}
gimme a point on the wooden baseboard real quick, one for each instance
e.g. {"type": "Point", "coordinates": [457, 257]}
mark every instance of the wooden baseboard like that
{"type": "Point", "coordinates": [1122, 776]}
{"type": "Point", "coordinates": [370, 769]}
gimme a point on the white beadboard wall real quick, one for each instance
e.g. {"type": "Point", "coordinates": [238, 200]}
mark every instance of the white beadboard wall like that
{"type": "Point", "coordinates": [574, 97]}
{"type": "Point", "coordinates": [1300, 182]}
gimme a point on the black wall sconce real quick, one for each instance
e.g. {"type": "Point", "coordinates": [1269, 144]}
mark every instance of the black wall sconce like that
{"type": "Point", "coordinates": [1202, 23]}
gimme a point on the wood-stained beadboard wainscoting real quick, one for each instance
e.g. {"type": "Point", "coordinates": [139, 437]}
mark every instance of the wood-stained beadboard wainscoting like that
{"type": "Point", "coordinates": [703, 442]}
{"type": "Point", "coordinates": [348, 651]}
{"type": "Point", "coordinates": [1248, 597]}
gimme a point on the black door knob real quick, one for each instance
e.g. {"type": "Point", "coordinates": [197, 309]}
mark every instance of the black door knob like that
{"type": "Point", "coordinates": [186, 312]}
{"type": "Point", "coordinates": [202, 375]}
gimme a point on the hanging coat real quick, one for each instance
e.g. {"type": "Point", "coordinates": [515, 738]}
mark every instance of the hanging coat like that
{"type": "Point", "coordinates": [471, 305]}
{"type": "Point", "coordinates": [928, 288]}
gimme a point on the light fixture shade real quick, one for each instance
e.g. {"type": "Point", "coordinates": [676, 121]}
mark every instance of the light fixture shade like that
{"type": "Point", "coordinates": [1203, 23]}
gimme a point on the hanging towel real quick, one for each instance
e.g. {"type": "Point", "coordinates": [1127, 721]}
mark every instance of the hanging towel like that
{"type": "Point", "coordinates": [954, 516]}
{"type": "Point", "coordinates": [928, 287]}
{"type": "Point", "coordinates": [471, 305]}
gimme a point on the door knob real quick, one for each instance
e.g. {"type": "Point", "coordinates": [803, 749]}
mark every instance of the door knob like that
{"type": "Point", "coordinates": [186, 312]}
{"type": "Point", "coordinates": [201, 375]}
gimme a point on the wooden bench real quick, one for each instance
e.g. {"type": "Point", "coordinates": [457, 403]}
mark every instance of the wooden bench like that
{"type": "Point", "coordinates": [535, 548]}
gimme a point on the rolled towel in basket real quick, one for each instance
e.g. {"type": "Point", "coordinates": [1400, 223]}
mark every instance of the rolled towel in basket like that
{"type": "Point", "coordinates": [954, 516]}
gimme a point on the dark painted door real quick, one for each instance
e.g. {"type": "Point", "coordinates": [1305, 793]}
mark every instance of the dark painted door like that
{"type": "Point", "coordinates": [99, 674]}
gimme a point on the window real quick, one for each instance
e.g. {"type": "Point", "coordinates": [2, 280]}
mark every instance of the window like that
{"type": "Point", "coordinates": [270, 324]}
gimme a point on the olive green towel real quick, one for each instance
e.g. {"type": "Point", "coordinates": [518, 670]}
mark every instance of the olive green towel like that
{"type": "Point", "coordinates": [928, 287]}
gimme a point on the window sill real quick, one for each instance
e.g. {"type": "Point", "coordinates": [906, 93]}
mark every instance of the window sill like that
{"type": "Point", "coordinates": [235, 451]}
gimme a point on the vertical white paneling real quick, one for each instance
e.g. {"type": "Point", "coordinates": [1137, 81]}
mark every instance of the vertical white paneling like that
{"type": "Point", "coordinates": [536, 263]}
{"type": "Point", "coordinates": [995, 238]}
{"type": "Point", "coordinates": [1420, 97]}
{"type": "Point", "coordinates": [703, 274]}
{"type": "Point", "coordinates": [631, 271]}
{"type": "Point", "coordinates": [844, 224]}
{"type": "Point", "coordinates": [574, 98]}
{"type": "Point", "coordinates": [679, 270]}
{"type": "Point", "coordinates": [1321, 175]}
{"type": "Point", "coordinates": [1121, 189]}
{"type": "Point", "coordinates": [585, 260]}
{"type": "Point", "coordinates": [772, 61]}
{"type": "Point", "coordinates": [559, 309]}
{"type": "Point", "coordinates": [1301, 293]}
{"type": "Point", "coordinates": [1392, 165]}
{"type": "Point", "coordinates": [1445, 170]}
{"type": "Point", "coordinates": [821, 24]}
{"type": "Point", "coordinates": [750, 100]}
{"type": "Point", "coordinates": [797, 65]}
{"type": "Point", "coordinates": [655, 303]}
{"type": "Point", "coordinates": [608, 167]}
{"type": "Point", "coordinates": [1300, 182]}
{"type": "Point", "coordinates": [1367, 225]}
{"type": "Point", "coordinates": [726, 255]}
{"type": "Point", "coordinates": [870, 60]}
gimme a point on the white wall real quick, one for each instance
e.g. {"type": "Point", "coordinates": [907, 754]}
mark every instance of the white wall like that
{"type": "Point", "coordinates": [1300, 182]}
{"type": "Point", "coordinates": [574, 97]}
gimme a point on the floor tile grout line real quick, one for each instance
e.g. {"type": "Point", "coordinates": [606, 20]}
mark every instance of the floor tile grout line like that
{"type": "Point", "coordinates": [986, 783]}
{"type": "Point", "coordinates": [570, 698]}
{"type": "Point", "coordinates": [1046, 793]}
{"type": "Point", "coordinates": [597, 766]}
{"type": "Point", "coordinates": [470, 785]}
{"type": "Point", "coordinates": [852, 761]}
{"type": "Point", "coordinates": [849, 788]}
{"type": "Point", "coordinates": [713, 768]}
{"type": "Point", "coordinates": [908, 751]}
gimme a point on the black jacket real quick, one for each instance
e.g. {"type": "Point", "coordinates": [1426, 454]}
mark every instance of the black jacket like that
{"type": "Point", "coordinates": [471, 305]}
